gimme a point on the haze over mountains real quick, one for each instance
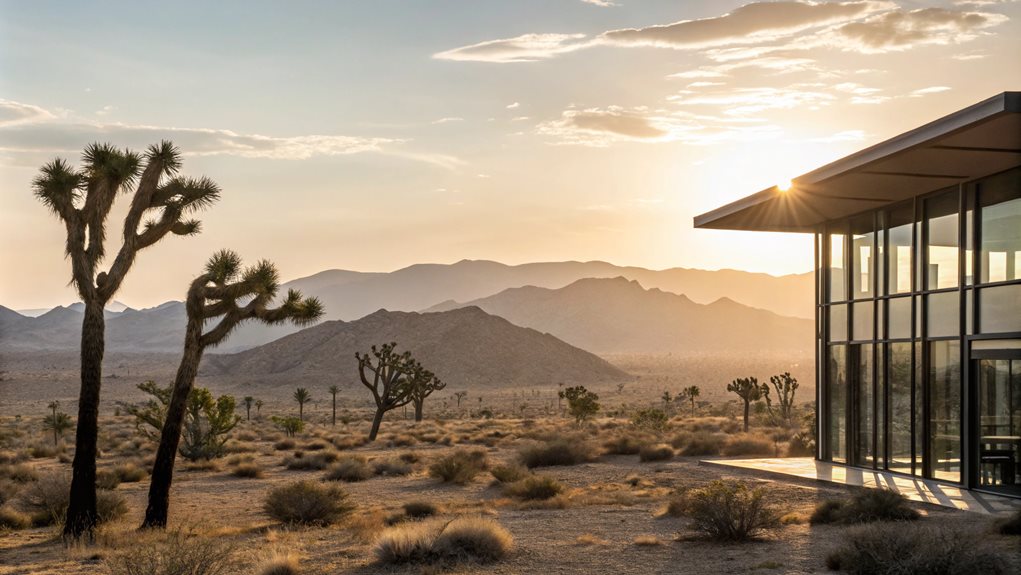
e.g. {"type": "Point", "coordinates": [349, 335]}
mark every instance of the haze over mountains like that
{"type": "Point", "coordinates": [620, 316]}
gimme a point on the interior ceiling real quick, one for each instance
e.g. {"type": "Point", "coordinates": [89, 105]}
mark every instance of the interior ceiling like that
{"type": "Point", "coordinates": [976, 142]}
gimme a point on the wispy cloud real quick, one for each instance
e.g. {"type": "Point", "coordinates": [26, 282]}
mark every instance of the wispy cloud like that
{"type": "Point", "coordinates": [902, 30]}
{"type": "Point", "coordinates": [16, 113]}
{"type": "Point", "coordinates": [448, 120]}
{"type": "Point", "coordinates": [524, 48]}
{"type": "Point", "coordinates": [601, 3]}
{"type": "Point", "coordinates": [930, 90]}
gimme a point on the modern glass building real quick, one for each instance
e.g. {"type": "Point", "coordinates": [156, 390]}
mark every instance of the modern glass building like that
{"type": "Point", "coordinates": [918, 299]}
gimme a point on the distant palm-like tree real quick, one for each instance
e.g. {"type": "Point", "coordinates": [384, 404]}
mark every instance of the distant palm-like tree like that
{"type": "Point", "coordinates": [258, 406]}
{"type": "Point", "coordinates": [224, 296]}
{"type": "Point", "coordinates": [248, 407]}
{"type": "Point", "coordinates": [333, 392]}
{"type": "Point", "coordinates": [57, 421]}
{"type": "Point", "coordinates": [748, 389]}
{"type": "Point", "coordinates": [302, 396]}
{"type": "Point", "coordinates": [82, 198]}
{"type": "Point", "coordinates": [692, 393]}
{"type": "Point", "coordinates": [460, 395]}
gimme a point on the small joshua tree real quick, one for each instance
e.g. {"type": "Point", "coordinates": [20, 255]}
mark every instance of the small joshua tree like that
{"type": "Point", "coordinates": [206, 425]}
{"type": "Point", "coordinates": [289, 425]}
{"type": "Point", "coordinates": [302, 396]}
{"type": "Point", "coordinates": [248, 400]}
{"type": "Point", "coordinates": [83, 199]}
{"type": "Point", "coordinates": [387, 377]}
{"type": "Point", "coordinates": [224, 295]}
{"type": "Point", "coordinates": [460, 395]}
{"type": "Point", "coordinates": [57, 421]}
{"type": "Point", "coordinates": [691, 393]}
{"type": "Point", "coordinates": [258, 406]}
{"type": "Point", "coordinates": [785, 387]}
{"type": "Point", "coordinates": [423, 383]}
{"type": "Point", "coordinates": [748, 389]}
{"type": "Point", "coordinates": [667, 398]}
{"type": "Point", "coordinates": [333, 393]}
{"type": "Point", "coordinates": [581, 403]}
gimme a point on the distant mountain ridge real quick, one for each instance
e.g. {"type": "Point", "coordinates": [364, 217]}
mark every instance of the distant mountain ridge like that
{"type": "Point", "coordinates": [618, 315]}
{"type": "Point", "coordinates": [465, 347]}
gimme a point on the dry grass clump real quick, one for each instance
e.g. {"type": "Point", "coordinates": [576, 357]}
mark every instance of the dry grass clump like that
{"type": "Point", "coordinates": [647, 541]}
{"type": "Point", "coordinates": [19, 472]}
{"type": "Point", "coordinates": [8, 457]}
{"type": "Point", "coordinates": [509, 473]}
{"type": "Point", "coordinates": [44, 450]}
{"type": "Point", "coordinates": [129, 473]}
{"type": "Point", "coordinates": [175, 553]}
{"type": "Point", "coordinates": [11, 518]}
{"type": "Point", "coordinates": [281, 564]}
{"type": "Point", "coordinates": [748, 445]}
{"type": "Point", "coordinates": [727, 510]}
{"type": "Point", "coordinates": [658, 452]}
{"type": "Point", "coordinates": [460, 467]}
{"type": "Point", "coordinates": [315, 446]}
{"type": "Point", "coordinates": [391, 467]}
{"type": "Point", "coordinates": [589, 539]}
{"type": "Point", "coordinates": [565, 451]}
{"type": "Point", "coordinates": [307, 503]}
{"type": "Point", "coordinates": [249, 470]}
{"type": "Point", "coordinates": [284, 444]}
{"type": "Point", "coordinates": [350, 469]}
{"type": "Point", "coordinates": [917, 549]}
{"type": "Point", "coordinates": [46, 500]}
{"type": "Point", "coordinates": [865, 506]}
{"type": "Point", "coordinates": [534, 487]}
{"type": "Point", "coordinates": [626, 444]}
{"type": "Point", "coordinates": [703, 443]}
{"type": "Point", "coordinates": [420, 509]}
{"type": "Point", "coordinates": [300, 461]}
{"type": "Point", "coordinates": [436, 542]}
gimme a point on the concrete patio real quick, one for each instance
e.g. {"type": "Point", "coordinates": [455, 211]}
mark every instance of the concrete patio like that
{"type": "Point", "coordinates": [914, 488]}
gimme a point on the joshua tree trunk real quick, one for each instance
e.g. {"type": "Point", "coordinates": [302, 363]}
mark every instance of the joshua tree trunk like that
{"type": "Point", "coordinates": [81, 512]}
{"type": "Point", "coordinates": [334, 410]}
{"type": "Point", "coordinates": [747, 404]}
{"type": "Point", "coordinates": [170, 437]}
{"type": "Point", "coordinates": [693, 407]}
{"type": "Point", "coordinates": [376, 421]}
{"type": "Point", "coordinates": [419, 403]}
{"type": "Point", "coordinates": [301, 411]}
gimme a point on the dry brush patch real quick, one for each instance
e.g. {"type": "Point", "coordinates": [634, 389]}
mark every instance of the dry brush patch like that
{"type": "Point", "coordinates": [440, 541]}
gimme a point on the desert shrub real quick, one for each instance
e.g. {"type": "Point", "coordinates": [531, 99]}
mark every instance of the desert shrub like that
{"type": "Point", "coordinates": [20, 472]}
{"type": "Point", "coordinates": [652, 420]}
{"type": "Point", "coordinates": [409, 457]}
{"type": "Point", "coordinates": [534, 487]}
{"type": "Point", "coordinates": [284, 445]}
{"type": "Point", "coordinates": [13, 519]}
{"type": "Point", "coordinates": [8, 490]}
{"type": "Point", "coordinates": [175, 553]}
{"type": "Point", "coordinates": [459, 467]}
{"type": "Point", "coordinates": [916, 549]}
{"type": "Point", "coordinates": [728, 510]}
{"type": "Point", "coordinates": [509, 473]}
{"type": "Point", "coordinates": [748, 445]}
{"type": "Point", "coordinates": [280, 564]}
{"type": "Point", "coordinates": [8, 457]}
{"type": "Point", "coordinates": [658, 452]}
{"type": "Point", "coordinates": [247, 470]}
{"type": "Point", "coordinates": [110, 505]}
{"type": "Point", "coordinates": [1010, 525]}
{"type": "Point", "coordinates": [420, 509]}
{"type": "Point", "coordinates": [301, 462]}
{"type": "Point", "coordinates": [46, 500]}
{"type": "Point", "coordinates": [289, 425]}
{"type": "Point", "coordinates": [438, 542]}
{"type": "Point", "coordinates": [314, 446]}
{"type": "Point", "coordinates": [307, 503]}
{"type": "Point", "coordinates": [801, 445]}
{"type": "Point", "coordinates": [566, 451]}
{"type": "Point", "coordinates": [704, 443]}
{"type": "Point", "coordinates": [107, 479]}
{"type": "Point", "coordinates": [349, 469]}
{"type": "Point", "coordinates": [43, 450]}
{"type": "Point", "coordinates": [865, 506]}
{"type": "Point", "coordinates": [623, 445]}
{"type": "Point", "coordinates": [391, 467]}
{"type": "Point", "coordinates": [129, 473]}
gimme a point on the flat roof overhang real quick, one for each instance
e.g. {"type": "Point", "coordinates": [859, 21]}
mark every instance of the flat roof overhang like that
{"type": "Point", "coordinates": [977, 141]}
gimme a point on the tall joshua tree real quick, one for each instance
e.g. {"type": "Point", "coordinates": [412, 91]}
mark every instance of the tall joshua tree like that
{"type": "Point", "coordinates": [387, 378]}
{"type": "Point", "coordinates": [785, 386]}
{"type": "Point", "coordinates": [748, 389]}
{"type": "Point", "coordinates": [224, 296]}
{"type": "Point", "coordinates": [302, 396]}
{"type": "Point", "coordinates": [248, 400]}
{"type": "Point", "coordinates": [334, 390]}
{"type": "Point", "coordinates": [423, 383]}
{"type": "Point", "coordinates": [82, 198]}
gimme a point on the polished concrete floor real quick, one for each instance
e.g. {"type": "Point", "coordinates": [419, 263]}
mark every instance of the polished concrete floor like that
{"type": "Point", "coordinates": [913, 488]}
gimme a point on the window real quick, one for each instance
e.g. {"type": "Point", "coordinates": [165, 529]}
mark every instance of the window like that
{"type": "Point", "coordinates": [863, 395]}
{"type": "Point", "coordinates": [899, 313]}
{"type": "Point", "coordinates": [898, 251]}
{"type": "Point", "coordinates": [945, 409]}
{"type": "Point", "coordinates": [1000, 200]}
{"type": "Point", "coordinates": [837, 279]}
{"type": "Point", "coordinates": [862, 314]}
{"type": "Point", "coordinates": [900, 432]}
{"type": "Point", "coordinates": [862, 250]}
{"type": "Point", "coordinates": [836, 393]}
{"type": "Point", "coordinates": [838, 322]}
{"type": "Point", "coordinates": [1000, 309]}
{"type": "Point", "coordinates": [942, 250]}
{"type": "Point", "coordinates": [944, 318]}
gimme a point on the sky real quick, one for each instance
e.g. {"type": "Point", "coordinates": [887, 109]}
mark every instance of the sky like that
{"type": "Point", "coordinates": [372, 135]}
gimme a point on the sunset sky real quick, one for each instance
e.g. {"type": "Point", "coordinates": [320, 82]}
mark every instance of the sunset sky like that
{"type": "Point", "coordinates": [371, 135]}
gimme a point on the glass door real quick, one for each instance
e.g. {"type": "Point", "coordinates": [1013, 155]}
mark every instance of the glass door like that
{"type": "Point", "coordinates": [999, 424]}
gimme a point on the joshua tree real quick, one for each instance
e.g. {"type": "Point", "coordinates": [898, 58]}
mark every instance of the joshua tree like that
{"type": "Point", "coordinates": [258, 406]}
{"type": "Point", "coordinates": [387, 379]}
{"type": "Point", "coordinates": [692, 393]}
{"type": "Point", "coordinates": [302, 396]}
{"type": "Point", "coordinates": [667, 398]}
{"type": "Point", "coordinates": [423, 383]}
{"type": "Point", "coordinates": [581, 402]}
{"type": "Point", "coordinates": [460, 395]}
{"type": "Point", "coordinates": [785, 387]}
{"type": "Point", "coordinates": [748, 389]}
{"type": "Point", "coordinates": [248, 400]}
{"type": "Point", "coordinates": [289, 425]}
{"type": "Point", "coordinates": [333, 392]}
{"type": "Point", "coordinates": [82, 199]}
{"type": "Point", "coordinates": [216, 297]}
{"type": "Point", "coordinates": [57, 421]}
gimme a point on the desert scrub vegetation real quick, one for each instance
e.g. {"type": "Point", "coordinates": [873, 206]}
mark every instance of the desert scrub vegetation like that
{"type": "Point", "coordinates": [307, 503]}
{"type": "Point", "coordinates": [459, 467]}
{"type": "Point", "coordinates": [700, 443]}
{"type": "Point", "coordinates": [657, 452]}
{"type": "Point", "coordinates": [727, 510]}
{"type": "Point", "coordinates": [893, 549]}
{"type": "Point", "coordinates": [175, 553]}
{"type": "Point", "coordinates": [301, 461]}
{"type": "Point", "coordinates": [508, 473]}
{"type": "Point", "coordinates": [748, 445]}
{"type": "Point", "coordinates": [12, 519]}
{"type": "Point", "coordinates": [564, 451]}
{"type": "Point", "coordinates": [534, 487]}
{"type": "Point", "coordinates": [46, 500]}
{"type": "Point", "coordinates": [865, 506]}
{"type": "Point", "coordinates": [438, 542]}
{"type": "Point", "coordinates": [349, 468]}
{"type": "Point", "coordinates": [247, 470]}
{"type": "Point", "coordinates": [624, 444]}
{"type": "Point", "coordinates": [391, 467]}
{"type": "Point", "coordinates": [420, 509]}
